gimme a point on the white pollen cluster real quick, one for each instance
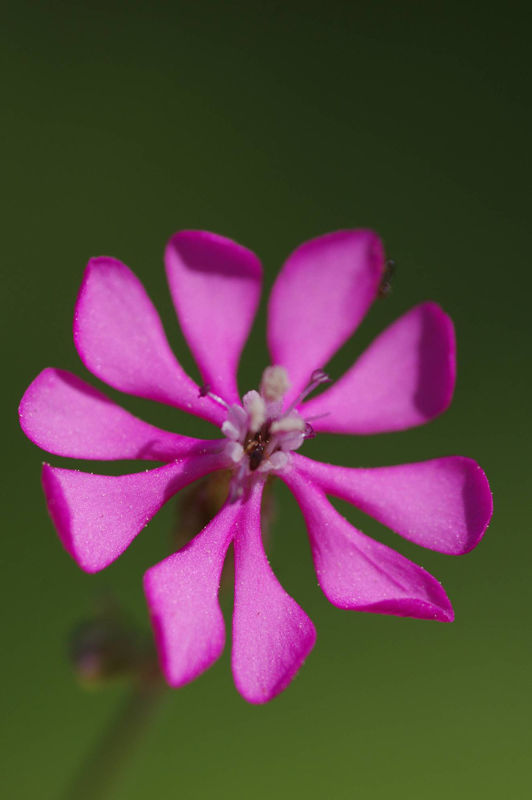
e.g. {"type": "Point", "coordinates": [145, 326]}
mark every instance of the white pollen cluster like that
{"type": "Point", "coordinates": [255, 407]}
{"type": "Point", "coordinates": [260, 433]}
{"type": "Point", "coordinates": [274, 384]}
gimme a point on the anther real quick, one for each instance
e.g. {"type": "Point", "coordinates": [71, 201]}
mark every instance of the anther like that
{"type": "Point", "coordinates": [288, 424]}
{"type": "Point", "coordinates": [319, 376]}
{"type": "Point", "coordinates": [274, 384]}
{"type": "Point", "coordinates": [205, 391]}
{"type": "Point", "coordinates": [256, 410]}
{"type": "Point", "coordinates": [309, 432]}
{"type": "Point", "coordinates": [316, 379]}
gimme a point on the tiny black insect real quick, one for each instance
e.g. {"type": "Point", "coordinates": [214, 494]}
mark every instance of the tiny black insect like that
{"type": "Point", "coordinates": [256, 447]}
{"type": "Point", "coordinates": [256, 454]}
{"type": "Point", "coordinates": [385, 285]}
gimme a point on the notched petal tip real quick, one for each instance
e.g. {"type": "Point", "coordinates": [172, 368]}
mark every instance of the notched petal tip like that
{"type": "Point", "coordinates": [181, 661]}
{"type": "Point", "coordinates": [24, 407]}
{"type": "Point", "coordinates": [212, 253]}
{"type": "Point", "coordinates": [59, 511]}
{"type": "Point", "coordinates": [477, 500]}
{"type": "Point", "coordinates": [438, 608]}
{"type": "Point", "coordinates": [442, 611]}
{"type": "Point", "coordinates": [437, 360]}
{"type": "Point", "coordinates": [96, 267]}
{"type": "Point", "coordinates": [260, 695]}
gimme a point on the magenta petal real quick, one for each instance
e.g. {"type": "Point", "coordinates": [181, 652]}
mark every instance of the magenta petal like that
{"type": "Point", "coordinates": [98, 516]}
{"type": "Point", "coordinates": [272, 635]}
{"type": "Point", "coordinates": [215, 284]}
{"type": "Point", "coordinates": [182, 595]}
{"type": "Point", "coordinates": [120, 339]}
{"type": "Point", "coordinates": [444, 504]}
{"type": "Point", "coordinates": [322, 293]}
{"type": "Point", "coordinates": [405, 378]}
{"type": "Point", "coordinates": [64, 415]}
{"type": "Point", "coordinates": [359, 573]}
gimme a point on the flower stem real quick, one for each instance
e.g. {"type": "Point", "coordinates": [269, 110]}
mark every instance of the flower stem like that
{"type": "Point", "coordinates": [98, 773]}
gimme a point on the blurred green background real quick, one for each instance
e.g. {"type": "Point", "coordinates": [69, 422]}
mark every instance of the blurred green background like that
{"type": "Point", "coordinates": [271, 123]}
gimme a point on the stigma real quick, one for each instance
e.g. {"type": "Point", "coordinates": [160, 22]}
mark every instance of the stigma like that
{"type": "Point", "coordinates": [262, 433]}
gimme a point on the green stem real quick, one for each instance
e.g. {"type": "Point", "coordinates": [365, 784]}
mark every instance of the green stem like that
{"type": "Point", "coordinates": [98, 773]}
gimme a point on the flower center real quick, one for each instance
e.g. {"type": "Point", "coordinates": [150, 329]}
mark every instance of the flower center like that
{"type": "Point", "coordinates": [261, 433]}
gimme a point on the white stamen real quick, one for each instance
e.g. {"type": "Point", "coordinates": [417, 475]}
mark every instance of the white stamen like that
{"type": "Point", "coordinates": [274, 384]}
{"type": "Point", "coordinates": [260, 436]}
{"type": "Point", "coordinates": [279, 460]}
{"type": "Point", "coordinates": [217, 399]}
{"type": "Point", "coordinates": [290, 441]}
{"type": "Point", "coordinates": [256, 410]}
{"type": "Point", "coordinates": [235, 426]}
{"type": "Point", "coordinates": [316, 379]}
{"type": "Point", "coordinates": [288, 424]}
{"type": "Point", "coordinates": [274, 409]}
{"type": "Point", "coordinates": [229, 430]}
{"type": "Point", "coordinates": [234, 451]}
{"type": "Point", "coordinates": [276, 461]}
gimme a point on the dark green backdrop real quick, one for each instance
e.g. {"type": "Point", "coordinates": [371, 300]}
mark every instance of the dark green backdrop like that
{"type": "Point", "coordinates": [272, 123]}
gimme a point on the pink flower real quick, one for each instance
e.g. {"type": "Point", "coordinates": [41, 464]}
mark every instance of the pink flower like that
{"type": "Point", "coordinates": [405, 378]}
